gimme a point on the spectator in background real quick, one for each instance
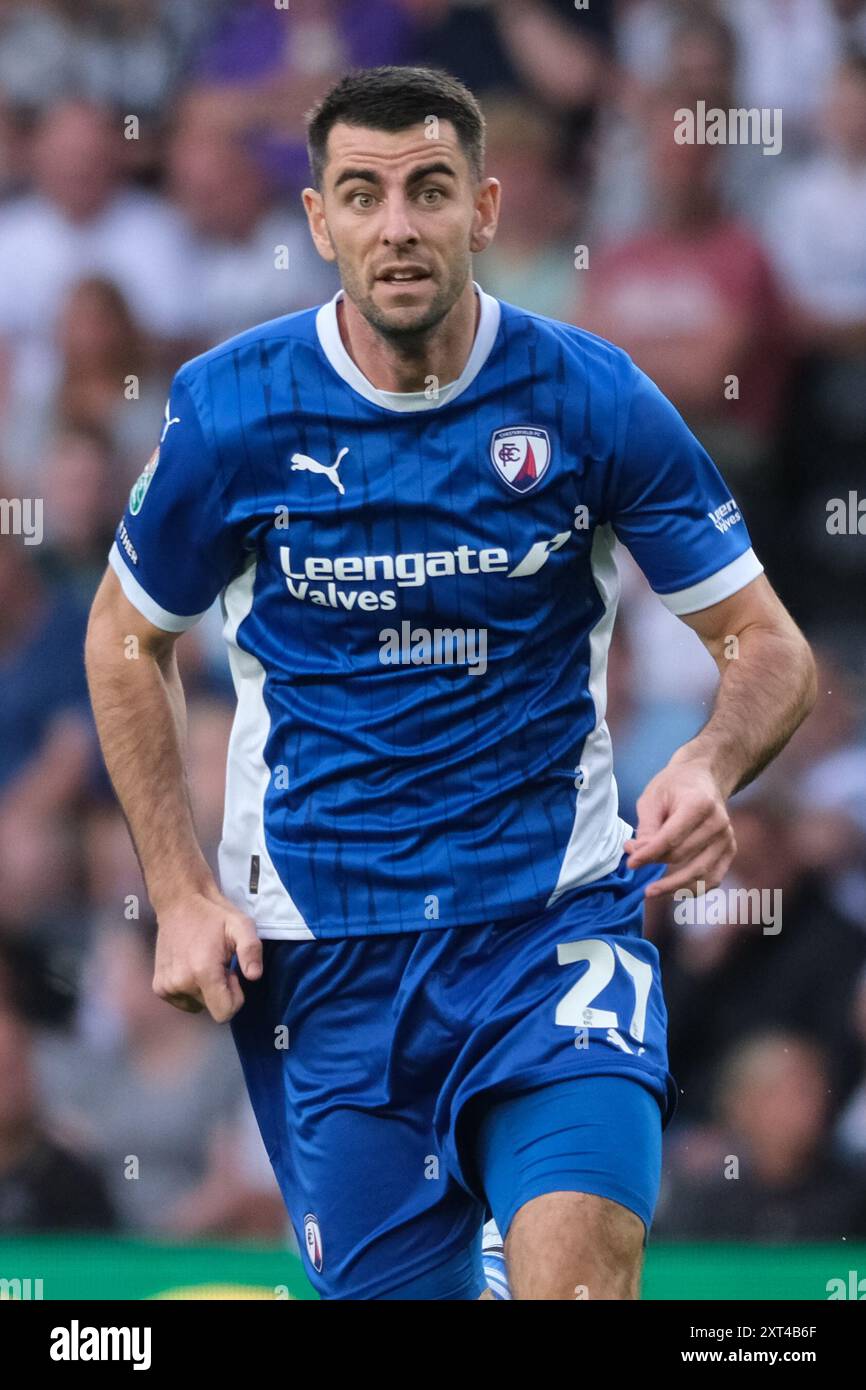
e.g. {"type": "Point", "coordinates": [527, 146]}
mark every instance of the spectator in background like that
{"type": "Point", "coordinates": [238, 1197]}
{"type": "Point", "coordinates": [826, 762]}
{"type": "Point", "coordinates": [9, 149]}
{"type": "Point", "coordinates": [721, 977]}
{"type": "Point", "coordinates": [532, 261]}
{"type": "Point", "coordinates": [263, 67]}
{"type": "Point", "coordinates": [107, 381]}
{"type": "Point", "coordinates": [832, 828]}
{"type": "Point", "coordinates": [128, 53]}
{"type": "Point", "coordinates": [772, 1116]}
{"type": "Point", "coordinates": [112, 873]}
{"type": "Point", "coordinates": [816, 232]}
{"type": "Point", "coordinates": [851, 16]}
{"type": "Point", "coordinates": [253, 258]}
{"type": "Point", "coordinates": [822, 207]}
{"type": "Point", "coordinates": [697, 58]}
{"type": "Point", "coordinates": [39, 867]}
{"type": "Point", "coordinates": [670, 664]}
{"type": "Point", "coordinates": [48, 752]}
{"type": "Point", "coordinates": [693, 300]}
{"type": "Point", "coordinates": [110, 379]}
{"type": "Point", "coordinates": [210, 722]}
{"type": "Point", "coordinates": [113, 889]}
{"type": "Point", "coordinates": [551, 52]}
{"type": "Point", "coordinates": [785, 50]}
{"type": "Point", "coordinates": [44, 1185]}
{"type": "Point", "coordinates": [80, 220]}
{"type": "Point", "coordinates": [645, 33]}
{"type": "Point", "coordinates": [41, 666]}
{"type": "Point", "coordinates": [646, 728]}
{"type": "Point", "coordinates": [851, 1129]}
{"type": "Point", "coordinates": [155, 1109]}
{"type": "Point", "coordinates": [788, 52]}
{"type": "Point", "coordinates": [82, 501]}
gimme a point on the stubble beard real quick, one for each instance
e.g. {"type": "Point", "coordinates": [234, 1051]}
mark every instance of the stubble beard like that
{"type": "Point", "coordinates": [409, 336]}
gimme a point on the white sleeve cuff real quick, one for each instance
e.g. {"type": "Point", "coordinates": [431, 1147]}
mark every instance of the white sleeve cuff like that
{"type": "Point", "coordinates": [140, 598]}
{"type": "Point", "coordinates": [715, 587]}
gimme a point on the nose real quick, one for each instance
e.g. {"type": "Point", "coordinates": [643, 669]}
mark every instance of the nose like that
{"type": "Point", "coordinates": [398, 229]}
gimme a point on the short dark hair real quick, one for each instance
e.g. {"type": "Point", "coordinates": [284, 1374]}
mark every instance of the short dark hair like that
{"type": "Point", "coordinates": [395, 98]}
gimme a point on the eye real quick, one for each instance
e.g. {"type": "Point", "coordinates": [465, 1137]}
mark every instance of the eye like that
{"type": "Point", "coordinates": [432, 196]}
{"type": "Point", "coordinates": [362, 199]}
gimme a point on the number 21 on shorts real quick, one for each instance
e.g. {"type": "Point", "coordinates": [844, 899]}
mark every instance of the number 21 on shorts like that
{"type": "Point", "coordinates": [575, 1008]}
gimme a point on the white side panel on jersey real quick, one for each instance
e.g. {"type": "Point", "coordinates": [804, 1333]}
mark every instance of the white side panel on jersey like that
{"type": "Point", "coordinates": [247, 776]}
{"type": "Point", "coordinates": [599, 832]}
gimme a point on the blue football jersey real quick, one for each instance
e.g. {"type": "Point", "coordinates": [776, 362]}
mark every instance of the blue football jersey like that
{"type": "Point", "coordinates": [418, 593]}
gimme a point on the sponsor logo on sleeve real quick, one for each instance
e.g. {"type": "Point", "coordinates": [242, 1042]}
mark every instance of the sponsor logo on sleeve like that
{"type": "Point", "coordinates": [725, 516]}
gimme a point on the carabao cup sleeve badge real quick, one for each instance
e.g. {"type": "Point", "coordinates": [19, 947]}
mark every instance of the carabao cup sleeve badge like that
{"type": "Point", "coordinates": [142, 483]}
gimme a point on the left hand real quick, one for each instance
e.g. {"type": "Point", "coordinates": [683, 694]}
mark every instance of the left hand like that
{"type": "Point", "coordinates": [683, 822]}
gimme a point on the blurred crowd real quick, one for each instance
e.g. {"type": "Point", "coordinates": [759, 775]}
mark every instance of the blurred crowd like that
{"type": "Point", "coordinates": [151, 157]}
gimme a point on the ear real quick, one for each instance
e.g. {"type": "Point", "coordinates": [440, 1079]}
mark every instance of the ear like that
{"type": "Point", "coordinates": [486, 219]}
{"type": "Point", "coordinates": [315, 209]}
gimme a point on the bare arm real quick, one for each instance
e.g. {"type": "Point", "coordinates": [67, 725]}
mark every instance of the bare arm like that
{"type": "Point", "coordinates": [767, 687]}
{"type": "Point", "coordinates": [140, 713]}
{"type": "Point", "coordinates": [563, 67]}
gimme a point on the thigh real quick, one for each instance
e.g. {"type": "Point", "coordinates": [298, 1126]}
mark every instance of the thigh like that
{"type": "Point", "coordinates": [572, 1173]}
{"type": "Point", "coordinates": [348, 1131]}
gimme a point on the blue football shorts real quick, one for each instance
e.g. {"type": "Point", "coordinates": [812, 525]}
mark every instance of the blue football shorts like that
{"type": "Point", "coordinates": [408, 1086]}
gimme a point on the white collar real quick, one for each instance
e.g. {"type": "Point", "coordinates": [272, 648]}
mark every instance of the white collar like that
{"type": "Point", "coordinates": [328, 330]}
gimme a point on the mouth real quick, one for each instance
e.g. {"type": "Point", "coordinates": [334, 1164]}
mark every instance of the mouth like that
{"type": "Point", "coordinates": [403, 275]}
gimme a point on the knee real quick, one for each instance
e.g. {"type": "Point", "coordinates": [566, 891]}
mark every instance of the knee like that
{"type": "Point", "coordinates": [575, 1246]}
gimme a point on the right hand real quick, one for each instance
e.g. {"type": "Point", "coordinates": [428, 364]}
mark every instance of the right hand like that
{"type": "Point", "coordinates": [198, 935]}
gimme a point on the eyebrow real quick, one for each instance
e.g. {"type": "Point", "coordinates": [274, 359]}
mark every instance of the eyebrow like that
{"type": "Point", "coordinates": [369, 176]}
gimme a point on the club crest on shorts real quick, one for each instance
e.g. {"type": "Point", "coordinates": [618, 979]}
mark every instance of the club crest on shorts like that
{"type": "Point", "coordinates": [520, 455]}
{"type": "Point", "coordinates": [313, 1241]}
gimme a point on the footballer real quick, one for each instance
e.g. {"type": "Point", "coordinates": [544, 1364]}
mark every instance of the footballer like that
{"type": "Point", "coordinates": [428, 927]}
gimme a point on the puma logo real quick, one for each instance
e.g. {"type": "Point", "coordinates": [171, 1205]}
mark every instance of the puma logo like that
{"type": "Point", "coordinates": [174, 420]}
{"type": "Point", "coordinates": [303, 462]}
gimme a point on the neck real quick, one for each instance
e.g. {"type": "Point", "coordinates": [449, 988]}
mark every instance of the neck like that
{"type": "Point", "coordinates": [407, 363]}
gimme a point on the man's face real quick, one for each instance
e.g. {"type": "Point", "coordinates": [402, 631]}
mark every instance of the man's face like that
{"type": "Point", "coordinates": [75, 159]}
{"type": "Point", "coordinates": [401, 214]}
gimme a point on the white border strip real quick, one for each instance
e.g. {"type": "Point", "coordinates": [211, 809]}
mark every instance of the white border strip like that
{"type": "Point", "coordinates": [140, 598]}
{"type": "Point", "coordinates": [715, 587]}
